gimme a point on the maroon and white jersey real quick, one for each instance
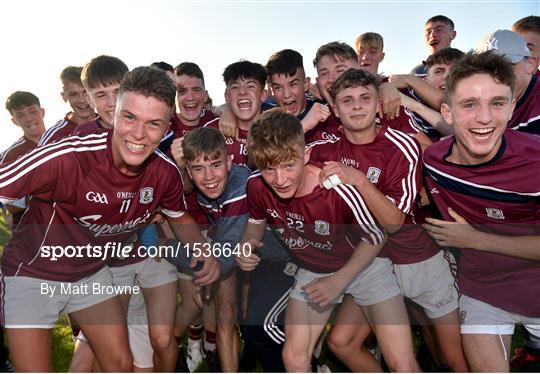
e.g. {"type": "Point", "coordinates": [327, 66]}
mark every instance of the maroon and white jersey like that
{"type": "Point", "coordinates": [179, 129]}
{"type": "Point", "coordinates": [405, 122]}
{"type": "Point", "coordinates": [526, 115]}
{"type": "Point", "coordinates": [321, 229]}
{"type": "Point", "coordinates": [500, 196]}
{"type": "Point", "coordinates": [79, 198]}
{"type": "Point", "coordinates": [327, 130]}
{"type": "Point", "coordinates": [235, 147]}
{"type": "Point", "coordinates": [90, 127]}
{"type": "Point", "coordinates": [392, 162]}
{"type": "Point", "coordinates": [420, 122]}
{"type": "Point", "coordinates": [60, 130]}
{"type": "Point", "coordinates": [17, 149]}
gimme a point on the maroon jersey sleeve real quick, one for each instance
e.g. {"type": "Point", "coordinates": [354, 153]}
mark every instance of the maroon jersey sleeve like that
{"type": "Point", "coordinates": [172, 203]}
{"type": "Point", "coordinates": [404, 172]}
{"type": "Point", "coordinates": [255, 188]}
{"type": "Point", "coordinates": [352, 201]}
{"type": "Point", "coordinates": [16, 150]}
{"type": "Point", "coordinates": [405, 122]}
{"type": "Point", "coordinates": [42, 172]}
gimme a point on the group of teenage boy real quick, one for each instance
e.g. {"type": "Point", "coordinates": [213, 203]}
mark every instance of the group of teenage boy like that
{"type": "Point", "coordinates": [335, 212]}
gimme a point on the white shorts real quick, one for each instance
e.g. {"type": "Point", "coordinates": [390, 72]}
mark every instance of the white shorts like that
{"type": "Point", "coordinates": [148, 273]}
{"type": "Point", "coordinates": [37, 303]}
{"type": "Point", "coordinates": [430, 284]}
{"type": "Point", "coordinates": [478, 317]}
{"type": "Point", "coordinates": [372, 285]}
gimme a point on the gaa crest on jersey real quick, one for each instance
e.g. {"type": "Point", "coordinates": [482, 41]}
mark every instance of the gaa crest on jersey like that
{"type": "Point", "coordinates": [495, 213]}
{"type": "Point", "coordinates": [322, 227]}
{"type": "Point", "coordinates": [373, 174]}
{"type": "Point", "coordinates": [146, 195]}
{"type": "Point", "coordinates": [290, 269]}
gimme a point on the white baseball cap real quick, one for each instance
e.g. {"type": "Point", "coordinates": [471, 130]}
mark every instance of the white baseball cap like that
{"type": "Point", "coordinates": [505, 43]}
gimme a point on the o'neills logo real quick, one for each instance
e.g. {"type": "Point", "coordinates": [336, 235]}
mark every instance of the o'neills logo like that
{"type": "Point", "coordinates": [106, 229]}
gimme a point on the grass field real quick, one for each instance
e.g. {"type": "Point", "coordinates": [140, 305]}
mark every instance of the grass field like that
{"type": "Point", "coordinates": [63, 343]}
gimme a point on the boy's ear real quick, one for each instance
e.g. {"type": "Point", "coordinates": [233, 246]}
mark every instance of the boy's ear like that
{"type": "Point", "coordinates": [334, 109]}
{"type": "Point", "coordinates": [229, 162]}
{"type": "Point", "coordinates": [264, 95]}
{"type": "Point", "coordinates": [63, 97]}
{"type": "Point", "coordinates": [226, 94]}
{"type": "Point", "coordinates": [13, 120]}
{"type": "Point", "coordinates": [531, 64]}
{"type": "Point", "coordinates": [42, 110]}
{"type": "Point", "coordinates": [307, 84]}
{"type": "Point", "coordinates": [446, 113]}
{"type": "Point", "coordinates": [188, 169]}
{"type": "Point", "coordinates": [307, 154]}
{"type": "Point", "coordinates": [91, 101]}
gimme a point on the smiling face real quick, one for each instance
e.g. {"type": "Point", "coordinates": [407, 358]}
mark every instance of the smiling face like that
{"type": "Point", "coordinates": [78, 100]}
{"type": "Point", "coordinates": [210, 176]}
{"type": "Point", "coordinates": [104, 100]}
{"type": "Point", "coordinates": [287, 177]}
{"type": "Point", "coordinates": [479, 111]}
{"type": "Point", "coordinates": [438, 35]}
{"type": "Point", "coordinates": [244, 96]}
{"type": "Point", "coordinates": [30, 119]}
{"type": "Point", "coordinates": [290, 91]}
{"type": "Point", "coordinates": [356, 107]}
{"type": "Point", "coordinates": [190, 98]}
{"type": "Point", "coordinates": [369, 58]}
{"type": "Point", "coordinates": [329, 69]}
{"type": "Point", "coordinates": [140, 123]}
{"type": "Point", "coordinates": [437, 74]}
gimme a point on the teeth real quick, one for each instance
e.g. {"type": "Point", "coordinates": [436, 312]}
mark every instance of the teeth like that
{"type": "Point", "coordinates": [213, 185]}
{"type": "Point", "coordinates": [135, 147]}
{"type": "Point", "coordinates": [244, 101]}
{"type": "Point", "coordinates": [482, 130]}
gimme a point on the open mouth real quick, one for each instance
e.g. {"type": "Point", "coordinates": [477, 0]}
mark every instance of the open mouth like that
{"type": "Point", "coordinates": [83, 107]}
{"type": "Point", "coordinates": [190, 105]}
{"type": "Point", "coordinates": [290, 106]}
{"type": "Point", "coordinates": [211, 186]}
{"type": "Point", "coordinates": [244, 104]}
{"type": "Point", "coordinates": [134, 147]}
{"type": "Point", "coordinates": [482, 133]}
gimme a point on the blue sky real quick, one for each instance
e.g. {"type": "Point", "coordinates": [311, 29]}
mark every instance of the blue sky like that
{"type": "Point", "coordinates": [41, 37]}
